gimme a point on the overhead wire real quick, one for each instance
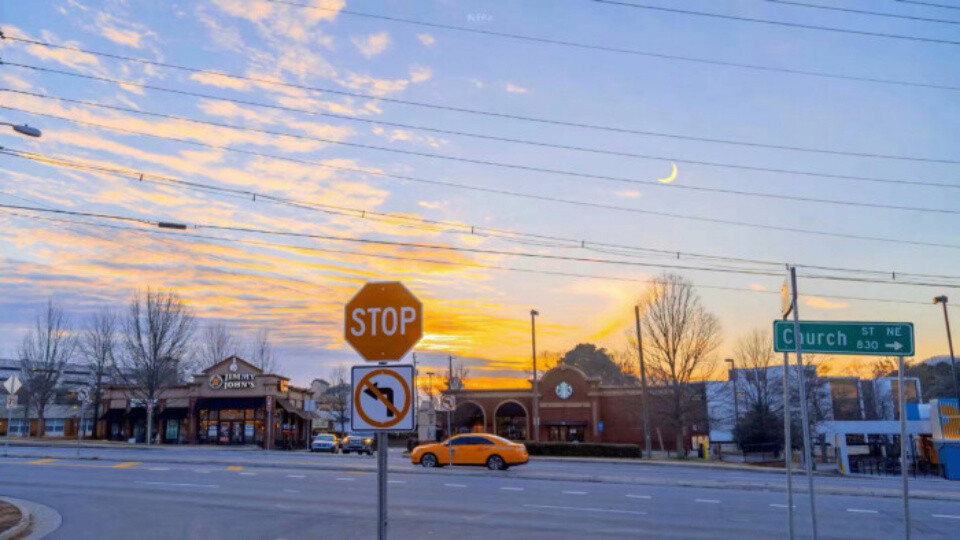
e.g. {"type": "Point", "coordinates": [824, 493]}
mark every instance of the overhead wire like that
{"type": "Point", "coordinates": [500, 138]}
{"type": "Point", "coordinates": [863, 12]}
{"type": "Point", "coordinates": [430, 224]}
{"type": "Point", "coordinates": [928, 4]}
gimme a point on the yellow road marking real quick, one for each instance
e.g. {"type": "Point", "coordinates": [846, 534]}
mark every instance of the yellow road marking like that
{"type": "Point", "coordinates": [41, 461]}
{"type": "Point", "coordinates": [234, 468]}
{"type": "Point", "coordinates": [126, 464]}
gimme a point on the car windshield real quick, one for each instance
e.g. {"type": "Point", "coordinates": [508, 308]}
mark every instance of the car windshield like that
{"type": "Point", "coordinates": [324, 438]}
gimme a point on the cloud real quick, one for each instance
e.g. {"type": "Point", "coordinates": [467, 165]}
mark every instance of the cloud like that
{"type": "Point", "coordinates": [514, 89]}
{"type": "Point", "coordinates": [432, 205]}
{"type": "Point", "coordinates": [220, 81]}
{"type": "Point", "coordinates": [373, 85]}
{"type": "Point", "coordinates": [371, 45]}
{"type": "Point", "coordinates": [628, 194]}
{"type": "Point", "coordinates": [426, 39]}
{"type": "Point", "coordinates": [419, 74]}
{"type": "Point", "coordinates": [823, 303]}
{"type": "Point", "coordinates": [109, 27]}
{"type": "Point", "coordinates": [754, 286]}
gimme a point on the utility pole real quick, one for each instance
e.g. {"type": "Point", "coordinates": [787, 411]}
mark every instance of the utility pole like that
{"type": "Point", "coordinates": [953, 361]}
{"type": "Point", "coordinates": [736, 398]}
{"type": "Point", "coordinates": [804, 416]}
{"type": "Point", "coordinates": [643, 387]}
{"type": "Point", "coordinates": [786, 306]}
{"type": "Point", "coordinates": [536, 387]}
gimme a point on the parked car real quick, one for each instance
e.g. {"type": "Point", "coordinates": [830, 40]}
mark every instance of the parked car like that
{"type": "Point", "coordinates": [325, 442]}
{"type": "Point", "coordinates": [496, 453]}
{"type": "Point", "coordinates": [361, 443]}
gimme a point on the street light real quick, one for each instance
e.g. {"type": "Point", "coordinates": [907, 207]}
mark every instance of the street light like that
{"type": "Point", "coordinates": [942, 300]}
{"type": "Point", "coordinates": [736, 398]}
{"type": "Point", "coordinates": [536, 387]}
{"type": "Point", "coordinates": [23, 129]}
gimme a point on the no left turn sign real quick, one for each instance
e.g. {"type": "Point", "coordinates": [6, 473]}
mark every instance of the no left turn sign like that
{"type": "Point", "coordinates": [383, 398]}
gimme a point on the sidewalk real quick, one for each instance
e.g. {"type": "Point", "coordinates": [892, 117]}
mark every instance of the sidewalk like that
{"type": "Point", "coordinates": [822, 468]}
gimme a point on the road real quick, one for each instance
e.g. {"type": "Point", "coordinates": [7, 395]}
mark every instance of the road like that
{"type": "Point", "coordinates": [166, 497]}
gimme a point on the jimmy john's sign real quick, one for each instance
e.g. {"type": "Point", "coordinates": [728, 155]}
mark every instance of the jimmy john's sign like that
{"type": "Point", "coordinates": [233, 381]}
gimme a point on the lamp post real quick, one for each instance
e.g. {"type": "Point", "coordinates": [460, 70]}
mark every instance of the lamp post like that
{"type": "Point", "coordinates": [736, 398]}
{"type": "Point", "coordinates": [23, 129]}
{"type": "Point", "coordinates": [942, 300]}
{"type": "Point", "coordinates": [536, 387]}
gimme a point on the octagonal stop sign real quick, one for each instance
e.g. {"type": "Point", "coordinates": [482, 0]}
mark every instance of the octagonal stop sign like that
{"type": "Point", "coordinates": [383, 321]}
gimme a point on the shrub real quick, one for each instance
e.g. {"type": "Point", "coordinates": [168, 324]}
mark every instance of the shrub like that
{"type": "Point", "coordinates": [583, 449]}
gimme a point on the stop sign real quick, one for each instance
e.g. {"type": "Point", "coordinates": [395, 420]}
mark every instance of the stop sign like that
{"type": "Point", "coordinates": [383, 321]}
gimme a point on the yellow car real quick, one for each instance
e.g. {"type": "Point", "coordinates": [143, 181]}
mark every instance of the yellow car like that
{"type": "Point", "coordinates": [495, 452]}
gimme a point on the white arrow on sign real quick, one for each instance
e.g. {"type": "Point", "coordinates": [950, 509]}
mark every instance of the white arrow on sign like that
{"type": "Point", "coordinates": [12, 384]}
{"type": "Point", "coordinates": [896, 345]}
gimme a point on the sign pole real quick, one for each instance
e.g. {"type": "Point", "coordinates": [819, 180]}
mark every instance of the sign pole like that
{"type": "Point", "coordinates": [804, 417]}
{"type": "Point", "coordinates": [6, 443]}
{"type": "Point", "coordinates": [449, 434]}
{"type": "Point", "coordinates": [643, 387]}
{"type": "Point", "coordinates": [903, 452]}
{"type": "Point", "coordinates": [788, 442]}
{"type": "Point", "coordinates": [80, 428]}
{"type": "Point", "coordinates": [381, 485]}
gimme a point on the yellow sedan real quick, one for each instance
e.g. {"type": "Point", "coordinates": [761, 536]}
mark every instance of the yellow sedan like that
{"type": "Point", "coordinates": [496, 453]}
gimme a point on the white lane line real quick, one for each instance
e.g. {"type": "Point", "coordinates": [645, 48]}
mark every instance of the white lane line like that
{"type": "Point", "coordinates": [396, 481]}
{"type": "Point", "coordinates": [574, 492]}
{"type": "Point", "coordinates": [345, 479]}
{"type": "Point", "coordinates": [862, 511]}
{"type": "Point", "coordinates": [946, 516]}
{"type": "Point", "coordinates": [158, 468]}
{"type": "Point", "coordinates": [777, 505]}
{"type": "Point", "coordinates": [248, 474]}
{"type": "Point", "coordinates": [456, 485]}
{"type": "Point", "coordinates": [584, 509]}
{"type": "Point", "coordinates": [176, 484]}
{"type": "Point", "coordinates": [291, 491]}
{"type": "Point", "coordinates": [708, 501]}
{"type": "Point", "coordinates": [632, 496]}
{"type": "Point", "coordinates": [296, 476]}
{"type": "Point", "coordinates": [508, 488]}
{"type": "Point", "coordinates": [201, 471]}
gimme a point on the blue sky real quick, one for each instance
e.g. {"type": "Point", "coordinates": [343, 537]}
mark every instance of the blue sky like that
{"type": "Point", "coordinates": [474, 313]}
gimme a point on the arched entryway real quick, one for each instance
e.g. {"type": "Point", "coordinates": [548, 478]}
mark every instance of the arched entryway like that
{"type": "Point", "coordinates": [468, 417]}
{"type": "Point", "coordinates": [510, 421]}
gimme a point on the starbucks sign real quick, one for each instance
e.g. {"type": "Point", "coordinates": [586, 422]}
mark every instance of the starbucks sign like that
{"type": "Point", "coordinates": [233, 381]}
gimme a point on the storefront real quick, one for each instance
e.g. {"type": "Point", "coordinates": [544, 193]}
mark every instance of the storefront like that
{"type": "Point", "coordinates": [574, 408]}
{"type": "Point", "coordinates": [232, 402]}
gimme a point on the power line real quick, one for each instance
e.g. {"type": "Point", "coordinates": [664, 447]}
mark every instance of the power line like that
{"type": "Point", "coordinates": [864, 12]}
{"type": "Point", "coordinates": [472, 250]}
{"type": "Point", "coordinates": [775, 23]}
{"type": "Point", "coordinates": [437, 225]}
{"type": "Point", "coordinates": [612, 129]}
{"type": "Point", "coordinates": [517, 194]}
{"type": "Point", "coordinates": [635, 52]}
{"type": "Point", "coordinates": [300, 248]}
{"type": "Point", "coordinates": [928, 4]}
{"type": "Point", "coordinates": [513, 166]}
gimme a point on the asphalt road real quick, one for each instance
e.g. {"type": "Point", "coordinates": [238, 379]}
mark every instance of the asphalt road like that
{"type": "Point", "coordinates": [146, 499]}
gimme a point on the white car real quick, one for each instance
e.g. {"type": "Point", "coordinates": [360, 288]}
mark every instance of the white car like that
{"type": "Point", "coordinates": [325, 442]}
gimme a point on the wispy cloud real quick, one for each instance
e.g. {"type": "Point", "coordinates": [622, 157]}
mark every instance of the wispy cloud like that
{"type": "Point", "coordinates": [515, 89]}
{"type": "Point", "coordinates": [426, 39]}
{"type": "Point", "coordinates": [371, 45]}
{"type": "Point", "coordinates": [823, 303]}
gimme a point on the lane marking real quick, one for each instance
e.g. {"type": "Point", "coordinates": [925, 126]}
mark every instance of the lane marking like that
{"type": "Point", "coordinates": [946, 516]}
{"type": "Point", "coordinates": [862, 511]}
{"type": "Point", "coordinates": [396, 481]}
{"type": "Point", "coordinates": [632, 496]}
{"type": "Point", "coordinates": [508, 488]}
{"type": "Point", "coordinates": [574, 492]}
{"type": "Point", "coordinates": [234, 467]}
{"type": "Point", "coordinates": [41, 461]}
{"type": "Point", "coordinates": [201, 471]}
{"type": "Point", "coordinates": [456, 485]}
{"type": "Point", "coordinates": [159, 468]}
{"type": "Point", "coordinates": [708, 501]}
{"type": "Point", "coordinates": [248, 474]}
{"type": "Point", "coordinates": [296, 476]}
{"type": "Point", "coordinates": [777, 505]}
{"type": "Point", "coordinates": [126, 464]}
{"type": "Point", "coordinates": [177, 484]}
{"type": "Point", "coordinates": [345, 479]}
{"type": "Point", "coordinates": [583, 509]}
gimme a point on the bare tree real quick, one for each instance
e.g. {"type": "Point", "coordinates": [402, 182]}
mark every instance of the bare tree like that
{"type": "Point", "coordinates": [44, 354]}
{"type": "Point", "coordinates": [338, 396]}
{"type": "Point", "coordinates": [754, 356]}
{"type": "Point", "coordinates": [156, 342]}
{"type": "Point", "coordinates": [98, 344]}
{"type": "Point", "coordinates": [216, 344]}
{"type": "Point", "coordinates": [261, 353]}
{"type": "Point", "coordinates": [679, 341]}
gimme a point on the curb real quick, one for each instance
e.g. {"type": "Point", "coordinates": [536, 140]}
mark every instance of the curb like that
{"type": "Point", "coordinates": [21, 526]}
{"type": "Point", "coordinates": [691, 464]}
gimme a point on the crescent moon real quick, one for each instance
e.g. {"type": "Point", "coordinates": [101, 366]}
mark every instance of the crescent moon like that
{"type": "Point", "coordinates": [673, 175]}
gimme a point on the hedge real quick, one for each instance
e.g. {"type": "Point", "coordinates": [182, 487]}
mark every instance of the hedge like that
{"type": "Point", "coordinates": [583, 449]}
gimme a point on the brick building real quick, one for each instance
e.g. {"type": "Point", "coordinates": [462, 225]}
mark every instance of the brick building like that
{"type": "Point", "coordinates": [575, 407]}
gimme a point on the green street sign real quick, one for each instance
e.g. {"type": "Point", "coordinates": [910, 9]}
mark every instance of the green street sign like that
{"type": "Point", "coordinates": [841, 337]}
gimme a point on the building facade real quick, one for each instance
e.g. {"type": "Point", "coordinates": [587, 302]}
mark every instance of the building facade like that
{"type": "Point", "coordinates": [232, 402]}
{"type": "Point", "coordinates": [577, 408]}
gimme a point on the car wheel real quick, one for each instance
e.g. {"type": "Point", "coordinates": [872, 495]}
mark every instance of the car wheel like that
{"type": "Point", "coordinates": [496, 463]}
{"type": "Point", "coordinates": [429, 461]}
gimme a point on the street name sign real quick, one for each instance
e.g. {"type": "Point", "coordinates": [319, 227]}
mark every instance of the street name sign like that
{"type": "Point", "coordinates": [383, 321]}
{"type": "Point", "coordinates": [448, 403]}
{"type": "Point", "coordinates": [843, 337]}
{"type": "Point", "coordinates": [12, 384]}
{"type": "Point", "coordinates": [383, 398]}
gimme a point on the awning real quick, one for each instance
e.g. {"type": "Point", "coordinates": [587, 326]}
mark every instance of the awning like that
{"type": "Point", "coordinates": [218, 403]}
{"type": "Point", "coordinates": [287, 406]}
{"type": "Point", "coordinates": [113, 415]}
{"type": "Point", "coordinates": [173, 413]}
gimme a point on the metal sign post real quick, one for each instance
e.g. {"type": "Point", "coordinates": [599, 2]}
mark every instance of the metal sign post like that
{"type": "Point", "coordinates": [903, 451]}
{"type": "Point", "coordinates": [381, 485]}
{"type": "Point", "coordinates": [83, 404]}
{"type": "Point", "coordinates": [804, 417]}
{"type": "Point", "coordinates": [12, 385]}
{"type": "Point", "coordinates": [6, 443]}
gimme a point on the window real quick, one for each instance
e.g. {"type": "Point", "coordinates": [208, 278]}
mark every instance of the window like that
{"type": "Point", "coordinates": [19, 427]}
{"type": "Point", "coordinates": [54, 427]}
{"type": "Point", "coordinates": [86, 425]}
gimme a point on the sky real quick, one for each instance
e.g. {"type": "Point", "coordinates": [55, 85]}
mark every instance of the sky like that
{"type": "Point", "coordinates": [365, 117]}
